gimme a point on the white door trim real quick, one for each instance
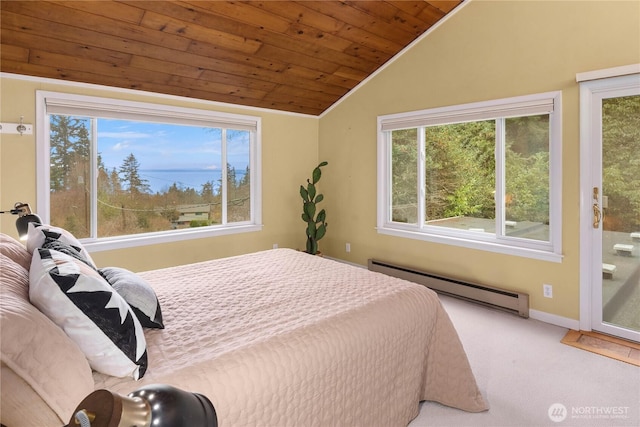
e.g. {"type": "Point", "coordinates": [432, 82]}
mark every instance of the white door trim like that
{"type": "Point", "coordinates": [586, 237]}
{"type": "Point", "coordinates": [609, 72]}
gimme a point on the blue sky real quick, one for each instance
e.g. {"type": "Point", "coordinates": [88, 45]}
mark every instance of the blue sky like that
{"type": "Point", "coordinates": [162, 146]}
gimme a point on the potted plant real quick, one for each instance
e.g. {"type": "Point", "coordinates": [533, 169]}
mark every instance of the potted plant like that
{"type": "Point", "coordinates": [316, 224]}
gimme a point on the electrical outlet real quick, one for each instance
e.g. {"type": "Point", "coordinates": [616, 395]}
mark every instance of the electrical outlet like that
{"type": "Point", "coordinates": [547, 291]}
{"type": "Point", "coordinates": [347, 247]}
{"type": "Point", "coordinates": [275, 246]}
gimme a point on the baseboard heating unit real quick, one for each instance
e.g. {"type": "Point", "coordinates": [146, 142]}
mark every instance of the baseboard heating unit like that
{"type": "Point", "coordinates": [514, 302]}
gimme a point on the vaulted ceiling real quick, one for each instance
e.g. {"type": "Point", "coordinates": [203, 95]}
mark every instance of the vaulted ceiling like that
{"type": "Point", "coordinates": [298, 56]}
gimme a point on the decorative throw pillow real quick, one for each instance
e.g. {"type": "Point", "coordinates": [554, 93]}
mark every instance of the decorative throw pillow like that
{"type": "Point", "coordinates": [38, 234]}
{"type": "Point", "coordinates": [76, 298]}
{"type": "Point", "coordinates": [137, 292]}
{"type": "Point", "coordinates": [65, 248]}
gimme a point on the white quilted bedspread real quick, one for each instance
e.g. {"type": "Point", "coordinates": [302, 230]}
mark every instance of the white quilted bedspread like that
{"type": "Point", "coordinates": [282, 338]}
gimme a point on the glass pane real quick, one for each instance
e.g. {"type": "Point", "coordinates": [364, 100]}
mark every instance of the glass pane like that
{"type": "Point", "coordinates": [238, 176]}
{"type": "Point", "coordinates": [621, 208]}
{"type": "Point", "coordinates": [460, 176]}
{"type": "Point", "coordinates": [69, 173]}
{"type": "Point", "coordinates": [157, 176]}
{"type": "Point", "coordinates": [526, 195]}
{"type": "Point", "coordinates": [404, 176]}
{"type": "Point", "coordinates": [150, 176]}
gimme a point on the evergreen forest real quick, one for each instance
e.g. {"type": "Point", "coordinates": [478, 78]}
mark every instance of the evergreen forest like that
{"type": "Point", "coordinates": [460, 169]}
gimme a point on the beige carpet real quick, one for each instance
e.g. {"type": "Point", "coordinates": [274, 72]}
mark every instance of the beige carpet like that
{"type": "Point", "coordinates": [530, 378]}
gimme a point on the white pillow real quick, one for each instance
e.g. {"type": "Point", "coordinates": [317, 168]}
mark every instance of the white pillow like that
{"type": "Point", "coordinates": [76, 298]}
{"type": "Point", "coordinates": [38, 233]}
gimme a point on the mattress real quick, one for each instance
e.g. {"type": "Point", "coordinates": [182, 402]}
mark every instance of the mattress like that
{"type": "Point", "coordinates": [283, 338]}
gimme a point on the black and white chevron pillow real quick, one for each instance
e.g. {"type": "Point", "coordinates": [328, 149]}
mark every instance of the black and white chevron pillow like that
{"type": "Point", "coordinates": [80, 301]}
{"type": "Point", "coordinates": [41, 234]}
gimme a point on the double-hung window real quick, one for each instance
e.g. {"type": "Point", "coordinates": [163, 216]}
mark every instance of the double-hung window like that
{"type": "Point", "coordinates": [118, 173]}
{"type": "Point", "coordinates": [484, 175]}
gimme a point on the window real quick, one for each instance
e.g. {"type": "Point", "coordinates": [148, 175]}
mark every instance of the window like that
{"type": "Point", "coordinates": [118, 173]}
{"type": "Point", "coordinates": [484, 175]}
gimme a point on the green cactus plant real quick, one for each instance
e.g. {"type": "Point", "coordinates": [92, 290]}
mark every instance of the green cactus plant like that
{"type": "Point", "coordinates": [316, 224]}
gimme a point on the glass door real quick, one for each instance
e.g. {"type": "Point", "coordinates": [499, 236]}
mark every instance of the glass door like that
{"type": "Point", "coordinates": [614, 208]}
{"type": "Point", "coordinates": [620, 212]}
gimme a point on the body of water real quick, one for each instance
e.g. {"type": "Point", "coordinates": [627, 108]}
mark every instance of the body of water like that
{"type": "Point", "coordinates": [160, 180]}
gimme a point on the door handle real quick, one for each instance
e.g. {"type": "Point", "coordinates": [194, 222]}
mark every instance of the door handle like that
{"type": "Point", "coordinates": [597, 213]}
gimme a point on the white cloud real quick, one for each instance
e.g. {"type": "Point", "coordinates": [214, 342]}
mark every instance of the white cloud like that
{"type": "Point", "coordinates": [121, 146]}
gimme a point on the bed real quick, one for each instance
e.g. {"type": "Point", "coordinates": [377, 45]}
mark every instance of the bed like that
{"type": "Point", "coordinates": [273, 338]}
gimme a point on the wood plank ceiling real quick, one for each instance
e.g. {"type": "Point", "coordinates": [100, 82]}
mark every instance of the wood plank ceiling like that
{"type": "Point", "coordinates": [298, 56]}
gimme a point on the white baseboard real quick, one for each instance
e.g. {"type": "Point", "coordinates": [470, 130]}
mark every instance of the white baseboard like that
{"type": "Point", "coordinates": [554, 319]}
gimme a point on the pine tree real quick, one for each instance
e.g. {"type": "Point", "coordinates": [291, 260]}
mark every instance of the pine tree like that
{"type": "Point", "coordinates": [130, 173]}
{"type": "Point", "coordinates": [207, 191]}
{"type": "Point", "coordinates": [70, 145]}
{"type": "Point", "coordinates": [114, 182]}
{"type": "Point", "coordinates": [246, 179]}
{"type": "Point", "coordinates": [231, 177]}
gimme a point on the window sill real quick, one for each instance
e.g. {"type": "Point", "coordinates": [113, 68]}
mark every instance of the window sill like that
{"type": "Point", "coordinates": [121, 242]}
{"type": "Point", "coordinates": [495, 247]}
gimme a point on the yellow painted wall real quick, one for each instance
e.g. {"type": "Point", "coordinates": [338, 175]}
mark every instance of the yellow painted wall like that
{"type": "Point", "coordinates": [487, 50]}
{"type": "Point", "coordinates": [289, 153]}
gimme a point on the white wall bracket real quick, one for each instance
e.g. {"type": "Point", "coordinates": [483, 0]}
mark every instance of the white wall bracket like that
{"type": "Point", "coordinates": [16, 128]}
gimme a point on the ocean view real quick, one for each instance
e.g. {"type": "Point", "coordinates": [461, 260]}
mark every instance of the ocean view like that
{"type": "Point", "coordinates": [160, 180]}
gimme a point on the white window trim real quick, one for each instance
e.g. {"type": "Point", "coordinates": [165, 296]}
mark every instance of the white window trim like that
{"type": "Point", "coordinates": [549, 102]}
{"type": "Point", "coordinates": [58, 102]}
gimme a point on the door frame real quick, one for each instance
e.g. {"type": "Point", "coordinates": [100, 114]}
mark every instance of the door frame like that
{"type": "Point", "coordinates": [592, 83]}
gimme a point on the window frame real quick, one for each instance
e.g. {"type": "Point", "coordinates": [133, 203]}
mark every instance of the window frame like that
{"type": "Point", "coordinates": [48, 102]}
{"type": "Point", "coordinates": [499, 110]}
